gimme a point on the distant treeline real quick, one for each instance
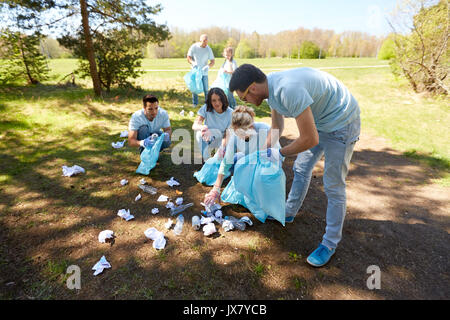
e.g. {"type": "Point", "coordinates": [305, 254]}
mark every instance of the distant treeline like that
{"type": "Point", "coordinates": [292, 43]}
{"type": "Point", "coordinates": [300, 43]}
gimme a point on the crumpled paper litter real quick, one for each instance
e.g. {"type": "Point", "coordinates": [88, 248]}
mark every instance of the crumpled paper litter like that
{"type": "Point", "coordinates": [125, 214]}
{"type": "Point", "coordinates": [159, 242]}
{"type": "Point", "coordinates": [101, 265]}
{"type": "Point", "coordinates": [168, 224]}
{"type": "Point", "coordinates": [124, 134]}
{"type": "Point", "coordinates": [118, 145]}
{"type": "Point", "coordinates": [105, 234]}
{"type": "Point", "coordinates": [70, 171]}
{"type": "Point", "coordinates": [162, 198]}
{"type": "Point", "coordinates": [172, 182]}
{"type": "Point", "coordinates": [209, 229]}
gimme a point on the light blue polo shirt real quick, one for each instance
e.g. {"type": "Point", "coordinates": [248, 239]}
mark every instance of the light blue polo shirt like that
{"type": "Point", "coordinates": [214, 120]}
{"type": "Point", "coordinates": [138, 119]}
{"type": "Point", "coordinates": [332, 104]}
{"type": "Point", "coordinates": [201, 55]}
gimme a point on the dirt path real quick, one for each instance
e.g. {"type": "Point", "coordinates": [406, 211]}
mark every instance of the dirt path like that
{"type": "Point", "coordinates": [396, 219]}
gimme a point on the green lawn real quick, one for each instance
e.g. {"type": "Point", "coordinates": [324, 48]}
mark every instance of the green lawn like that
{"type": "Point", "coordinates": [415, 125]}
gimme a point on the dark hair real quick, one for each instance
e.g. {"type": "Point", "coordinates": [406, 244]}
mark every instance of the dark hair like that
{"type": "Point", "coordinates": [222, 97]}
{"type": "Point", "coordinates": [149, 98]}
{"type": "Point", "coordinates": [244, 76]}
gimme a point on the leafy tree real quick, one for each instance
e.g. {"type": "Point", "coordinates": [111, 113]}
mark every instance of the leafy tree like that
{"type": "Point", "coordinates": [309, 50]}
{"type": "Point", "coordinates": [96, 17]}
{"type": "Point", "coordinates": [117, 54]}
{"type": "Point", "coordinates": [387, 50]}
{"type": "Point", "coordinates": [244, 50]}
{"type": "Point", "coordinates": [217, 48]}
{"type": "Point", "coordinates": [22, 58]}
{"type": "Point", "coordinates": [421, 34]}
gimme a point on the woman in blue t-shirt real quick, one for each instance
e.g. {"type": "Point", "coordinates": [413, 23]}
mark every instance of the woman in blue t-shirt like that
{"type": "Point", "coordinates": [212, 122]}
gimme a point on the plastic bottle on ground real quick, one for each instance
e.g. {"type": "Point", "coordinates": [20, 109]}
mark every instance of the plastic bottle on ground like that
{"type": "Point", "coordinates": [196, 222]}
{"type": "Point", "coordinates": [179, 225]}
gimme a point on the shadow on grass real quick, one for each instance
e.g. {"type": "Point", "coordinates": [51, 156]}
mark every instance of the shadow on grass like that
{"type": "Point", "coordinates": [48, 219]}
{"type": "Point", "coordinates": [434, 162]}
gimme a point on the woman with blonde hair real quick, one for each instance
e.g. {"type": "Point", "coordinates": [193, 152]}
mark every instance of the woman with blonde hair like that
{"type": "Point", "coordinates": [224, 75]}
{"type": "Point", "coordinates": [244, 137]}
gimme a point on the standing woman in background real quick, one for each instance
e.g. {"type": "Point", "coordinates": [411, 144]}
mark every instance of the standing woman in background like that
{"type": "Point", "coordinates": [228, 68]}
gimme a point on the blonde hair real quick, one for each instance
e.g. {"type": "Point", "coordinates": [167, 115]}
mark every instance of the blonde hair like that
{"type": "Point", "coordinates": [229, 49]}
{"type": "Point", "coordinates": [242, 117]}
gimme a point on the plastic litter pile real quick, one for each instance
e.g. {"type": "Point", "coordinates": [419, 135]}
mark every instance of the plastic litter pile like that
{"type": "Point", "coordinates": [205, 222]}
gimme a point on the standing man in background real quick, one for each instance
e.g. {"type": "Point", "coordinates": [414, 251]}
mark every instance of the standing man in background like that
{"type": "Point", "coordinates": [201, 56]}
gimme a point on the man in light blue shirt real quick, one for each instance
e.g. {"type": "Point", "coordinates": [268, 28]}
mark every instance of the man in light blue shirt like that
{"type": "Point", "coordinates": [327, 117]}
{"type": "Point", "coordinates": [201, 56]}
{"type": "Point", "coordinates": [147, 121]}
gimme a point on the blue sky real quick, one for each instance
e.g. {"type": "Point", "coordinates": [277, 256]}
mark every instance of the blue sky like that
{"type": "Point", "coordinates": [264, 16]}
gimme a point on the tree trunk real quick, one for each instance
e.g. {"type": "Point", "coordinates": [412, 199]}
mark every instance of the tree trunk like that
{"type": "Point", "coordinates": [90, 48]}
{"type": "Point", "coordinates": [31, 80]}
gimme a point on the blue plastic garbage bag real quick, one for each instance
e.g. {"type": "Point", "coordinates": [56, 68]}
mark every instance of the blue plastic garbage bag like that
{"type": "Point", "coordinates": [193, 80]}
{"type": "Point", "coordinates": [259, 185]}
{"type": "Point", "coordinates": [208, 173]}
{"type": "Point", "coordinates": [222, 81]}
{"type": "Point", "coordinates": [150, 156]}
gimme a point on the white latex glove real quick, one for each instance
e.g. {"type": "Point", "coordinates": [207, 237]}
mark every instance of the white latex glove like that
{"type": "Point", "coordinates": [211, 197]}
{"type": "Point", "coordinates": [206, 134]}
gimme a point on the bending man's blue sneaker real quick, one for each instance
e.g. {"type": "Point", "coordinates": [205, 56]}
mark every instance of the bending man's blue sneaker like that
{"type": "Point", "coordinates": [320, 256]}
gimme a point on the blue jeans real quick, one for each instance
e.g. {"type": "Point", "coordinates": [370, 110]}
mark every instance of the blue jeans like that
{"type": "Point", "coordinates": [144, 132]}
{"type": "Point", "coordinates": [337, 146]}
{"type": "Point", "coordinates": [231, 100]}
{"type": "Point", "coordinates": [205, 91]}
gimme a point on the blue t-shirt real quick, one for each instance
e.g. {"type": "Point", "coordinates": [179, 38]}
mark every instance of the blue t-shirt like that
{"type": "Point", "coordinates": [138, 119]}
{"type": "Point", "coordinates": [236, 144]}
{"type": "Point", "coordinates": [201, 56]}
{"type": "Point", "coordinates": [332, 104]}
{"type": "Point", "coordinates": [214, 120]}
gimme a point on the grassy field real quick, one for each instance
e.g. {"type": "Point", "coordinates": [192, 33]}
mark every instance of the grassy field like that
{"type": "Point", "coordinates": [415, 125]}
{"type": "Point", "coordinates": [48, 221]}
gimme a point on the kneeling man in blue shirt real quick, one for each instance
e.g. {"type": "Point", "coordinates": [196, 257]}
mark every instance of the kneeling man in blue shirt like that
{"type": "Point", "coordinates": [147, 121]}
{"type": "Point", "coordinates": [328, 120]}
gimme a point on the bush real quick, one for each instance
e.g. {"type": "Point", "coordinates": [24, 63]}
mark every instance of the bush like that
{"type": "Point", "coordinates": [387, 50]}
{"type": "Point", "coordinates": [309, 50]}
{"type": "Point", "coordinates": [244, 50]}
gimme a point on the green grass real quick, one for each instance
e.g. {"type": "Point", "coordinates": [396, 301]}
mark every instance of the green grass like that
{"type": "Point", "coordinates": [259, 269]}
{"type": "Point", "coordinates": [415, 125]}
